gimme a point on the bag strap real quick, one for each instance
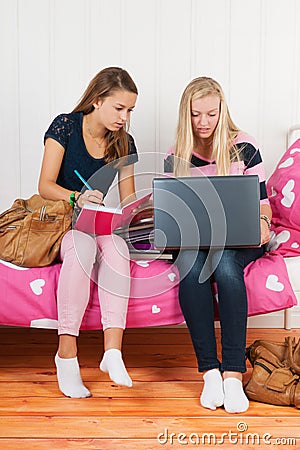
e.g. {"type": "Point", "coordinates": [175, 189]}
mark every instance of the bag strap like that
{"type": "Point", "coordinates": [292, 351]}
{"type": "Point", "coordinates": [12, 212]}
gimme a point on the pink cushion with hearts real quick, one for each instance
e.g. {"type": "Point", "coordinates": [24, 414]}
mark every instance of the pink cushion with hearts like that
{"type": "Point", "coordinates": [28, 296]}
{"type": "Point", "coordinates": [268, 286]}
{"type": "Point", "coordinates": [284, 194]}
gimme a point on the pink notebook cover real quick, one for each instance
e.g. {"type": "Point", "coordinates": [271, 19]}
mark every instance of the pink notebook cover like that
{"type": "Point", "coordinates": [101, 220]}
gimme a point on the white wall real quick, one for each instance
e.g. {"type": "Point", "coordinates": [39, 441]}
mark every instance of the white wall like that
{"type": "Point", "coordinates": [50, 49]}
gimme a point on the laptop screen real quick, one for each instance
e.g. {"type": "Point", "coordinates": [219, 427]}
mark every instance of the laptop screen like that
{"type": "Point", "coordinates": [204, 212]}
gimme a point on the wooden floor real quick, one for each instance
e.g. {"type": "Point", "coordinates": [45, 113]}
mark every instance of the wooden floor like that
{"type": "Point", "coordinates": [163, 400]}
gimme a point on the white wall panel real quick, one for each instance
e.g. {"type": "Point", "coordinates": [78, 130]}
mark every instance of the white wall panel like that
{"type": "Point", "coordinates": [210, 40]}
{"type": "Point", "coordinates": [174, 68]}
{"type": "Point", "coordinates": [69, 43]}
{"type": "Point", "coordinates": [278, 28]}
{"type": "Point", "coordinates": [140, 49]}
{"type": "Point", "coordinates": [139, 57]}
{"type": "Point", "coordinates": [9, 104]}
{"type": "Point", "coordinates": [34, 82]}
{"type": "Point", "coordinates": [245, 65]}
{"type": "Point", "coordinates": [105, 34]}
{"type": "Point", "coordinates": [296, 63]}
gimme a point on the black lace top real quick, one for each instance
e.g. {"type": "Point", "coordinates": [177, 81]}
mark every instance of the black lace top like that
{"type": "Point", "coordinates": [67, 130]}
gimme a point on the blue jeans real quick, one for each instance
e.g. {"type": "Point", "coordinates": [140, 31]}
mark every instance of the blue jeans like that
{"type": "Point", "coordinates": [196, 301]}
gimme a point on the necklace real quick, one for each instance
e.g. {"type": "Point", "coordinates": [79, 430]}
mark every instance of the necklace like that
{"type": "Point", "coordinates": [99, 143]}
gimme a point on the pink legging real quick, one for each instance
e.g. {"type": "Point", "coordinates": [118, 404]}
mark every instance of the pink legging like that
{"type": "Point", "coordinates": [109, 257]}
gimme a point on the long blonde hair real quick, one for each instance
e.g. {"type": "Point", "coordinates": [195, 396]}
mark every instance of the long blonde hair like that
{"type": "Point", "coordinates": [104, 84]}
{"type": "Point", "coordinates": [223, 150]}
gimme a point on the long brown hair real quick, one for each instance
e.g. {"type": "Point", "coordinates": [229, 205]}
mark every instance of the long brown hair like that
{"type": "Point", "coordinates": [104, 84]}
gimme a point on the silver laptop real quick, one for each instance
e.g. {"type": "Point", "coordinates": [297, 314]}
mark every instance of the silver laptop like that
{"type": "Point", "coordinates": [205, 212]}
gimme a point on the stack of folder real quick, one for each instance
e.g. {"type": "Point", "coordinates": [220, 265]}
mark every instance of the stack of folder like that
{"type": "Point", "coordinates": [139, 236]}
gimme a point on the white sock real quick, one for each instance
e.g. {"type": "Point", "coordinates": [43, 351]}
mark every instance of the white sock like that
{"type": "Point", "coordinates": [112, 363]}
{"type": "Point", "coordinates": [235, 400]}
{"type": "Point", "coordinates": [212, 395]}
{"type": "Point", "coordinates": [69, 379]}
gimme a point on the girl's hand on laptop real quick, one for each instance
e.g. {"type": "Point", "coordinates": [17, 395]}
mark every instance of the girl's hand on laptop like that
{"type": "Point", "coordinates": [264, 232]}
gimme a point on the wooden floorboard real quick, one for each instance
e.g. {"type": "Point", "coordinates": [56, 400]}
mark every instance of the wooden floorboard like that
{"type": "Point", "coordinates": [161, 410]}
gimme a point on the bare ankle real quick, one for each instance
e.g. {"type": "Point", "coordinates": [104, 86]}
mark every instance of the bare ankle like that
{"type": "Point", "coordinates": [67, 347]}
{"type": "Point", "coordinates": [113, 338]}
{"type": "Point", "coordinates": [232, 374]}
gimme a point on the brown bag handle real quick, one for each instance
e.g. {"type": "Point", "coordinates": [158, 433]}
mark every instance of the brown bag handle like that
{"type": "Point", "coordinates": [291, 353]}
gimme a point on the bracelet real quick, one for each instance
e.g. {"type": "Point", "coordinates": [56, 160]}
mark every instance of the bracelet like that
{"type": "Point", "coordinates": [72, 199]}
{"type": "Point", "coordinates": [266, 219]}
{"type": "Point", "coordinates": [76, 199]}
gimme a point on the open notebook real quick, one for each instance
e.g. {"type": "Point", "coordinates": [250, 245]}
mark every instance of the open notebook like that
{"type": "Point", "coordinates": [99, 219]}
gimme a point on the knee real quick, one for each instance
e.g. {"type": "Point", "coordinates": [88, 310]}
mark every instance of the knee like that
{"type": "Point", "coordinates": [228, 267]}
{"type": "Point", "coordinates": [80, 244]}
{"type": "Point", "coordinates": [120, 246]}
{"type": "Point", "coordinates": [190, 264]}
{"type": "Point", "coordinates": [113, 246]}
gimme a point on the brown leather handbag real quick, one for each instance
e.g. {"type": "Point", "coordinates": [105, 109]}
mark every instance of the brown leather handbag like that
{"type": "Point", "coordinates": [31, 231]}
{"type": "Point", "coordinates": [276, 372]}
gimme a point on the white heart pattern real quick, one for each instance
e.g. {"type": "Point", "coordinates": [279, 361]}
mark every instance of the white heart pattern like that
{"type": "Point", "coordinates": [142, 263]}
{"type": "Point", "coordinates": [288, 194]}
{"type": "Point", "coordinates": [52, 324]}
{"type": "Point", "coordinates": [272, 244]}
{"type": "Point", "coordinates": [37, 286]}
{"type": "Point", "coordinates": [274, 284]}
{"type": "Point", "coordinates": [294, 150]}
{"type": "Point", "coordinates": [273, 191]}
{"type": "Point", "coordinates": [13, 266]}
{"type": "Point", "coordinates": [287, 163]}
{"type": "Point", "coordinates": [295, 245]}
{"type": "Point", "coordinates": [283, 237]}
{"type": "Point", "coordinates": [172, 276]}
{"type": "Point", "coordinates": [276, 240]}
{"type": "Point", "coordinates": [155, 309]}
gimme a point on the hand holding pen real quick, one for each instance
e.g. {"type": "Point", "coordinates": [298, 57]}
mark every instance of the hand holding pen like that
{"type": "Point", "coordinates": [90, 195]}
